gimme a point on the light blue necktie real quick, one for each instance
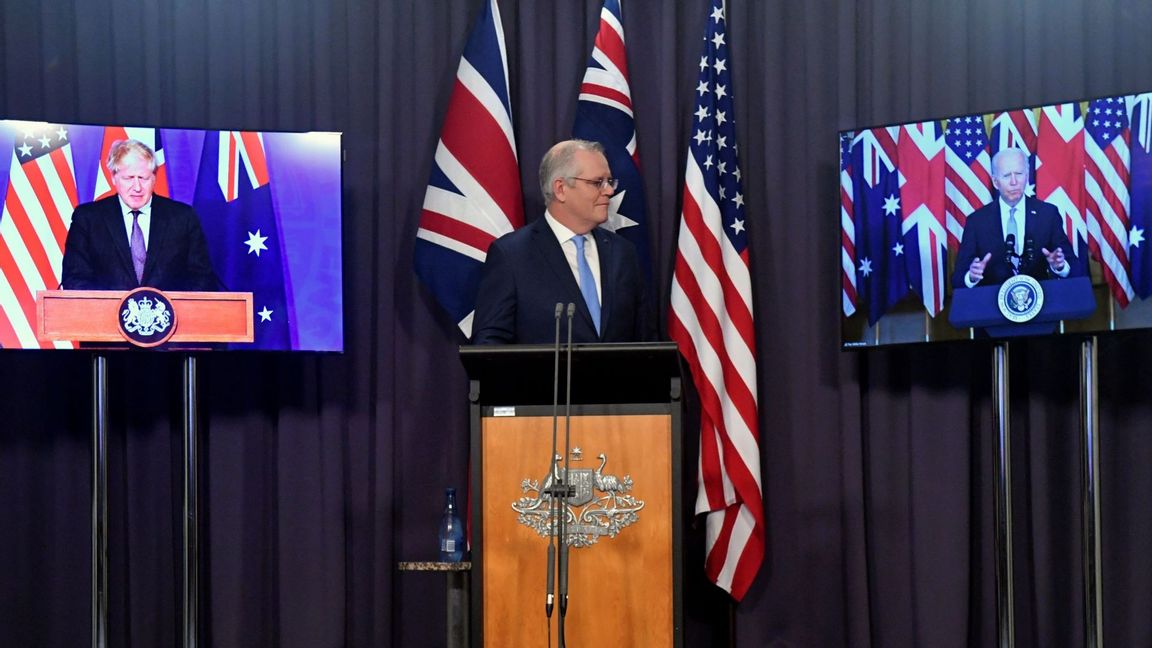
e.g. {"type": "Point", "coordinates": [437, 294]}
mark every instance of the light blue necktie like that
{"type": "Point", "coordinates": [587, 282]}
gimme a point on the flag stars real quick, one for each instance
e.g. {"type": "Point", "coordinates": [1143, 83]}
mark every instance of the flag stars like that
{"type": "Point", "coordinates": [265, 314]}
{"type": "Point", "coordinates": [1135, 237]}
{"type": "Point", "coordinates": [25, 150]}
{"type": "Point", "coordinates": [708, 163]}
{"type": "Point", "coordinates": [737, 226]}
{"type": "Point", "coordinates": [722, 193]}
{"type": "Point", "coordinates": [721, 91]}
{"type": "Point", "coordinates": [703, 63]}
{"type": "Point", "coordinates": [738, 200]}
{"type": "Point", "coordinates": [717, 15]}
{"type": "Point", "coordinates": [702, 113]}
{"type": "Point", "coordinates": [720, 65]}
{"type": "Point", "coordinates": [898, 249]}
{"type": "Point", "coordinates": [702, 88]}
{"type": "Point", "coordinates": [255, 243]}
{"type": "Point", "coordinates": [722, 142]}
{"type": "Point", "coordinates": [62, 134]}
{"type": "Point", "coordinates": [720, 168]}
{"type": "Point", "coordinates": [737, 174]}
{"type": "Point", "coordinates": [718, 39]}
{"type": "Point", "coordinates": [701, 137]}
{"type": "Point", "coordinates": [721, 117]}
{"type": "Point", "coordinates": [891, 204]}
{"type": "Point", "coordinates": [866, 266]}
{"type": "Point", "coordinates": [46, 141]}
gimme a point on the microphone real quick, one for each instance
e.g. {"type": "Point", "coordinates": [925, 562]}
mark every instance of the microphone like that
{"type": "Point", "coordinates": [1010, 252]}
{"type": "Point", "coordinates": [550, 481]}
{"type": "Point", "coordinates": [1028, 260]}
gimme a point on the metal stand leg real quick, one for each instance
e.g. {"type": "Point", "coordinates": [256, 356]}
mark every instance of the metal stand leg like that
{"type": "Point", "coordinates": [1006, 622]}
{"type": "Point", "coordinates": [1090, 496]}
{"type": "Point", "coordinates": [191, 513]}
{"type": "Point", "coordinates": [99, 501]}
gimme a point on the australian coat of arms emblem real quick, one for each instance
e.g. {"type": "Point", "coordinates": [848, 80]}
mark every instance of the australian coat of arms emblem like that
{"type": "Point", "coordinates": [600, 504]}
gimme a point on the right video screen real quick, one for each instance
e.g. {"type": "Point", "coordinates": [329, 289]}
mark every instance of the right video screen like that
{"type": "Point", "coordinates": [1015, 222]}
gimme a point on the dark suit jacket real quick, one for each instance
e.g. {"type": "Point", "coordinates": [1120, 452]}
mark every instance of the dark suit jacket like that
{"type": "Point", "coordinates": [983, 233]}
{"type": "Point", "coordinates": [526, 275]}
{"type": "Point", "coordinates": [97, 255]}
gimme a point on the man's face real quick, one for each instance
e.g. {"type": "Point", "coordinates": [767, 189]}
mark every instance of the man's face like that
{"type": "Point", "coordinates": [1010, 177]}
{"type": "Point", "coordinates": [583, 204]}
{"type": "Point", "coordinates": [134, 181]}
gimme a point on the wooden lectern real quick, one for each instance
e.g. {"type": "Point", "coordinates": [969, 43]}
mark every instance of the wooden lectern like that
{"type": "Point", "coordinates": [624, 525]}
{"type": "Point", "coordinates": [92, 316]}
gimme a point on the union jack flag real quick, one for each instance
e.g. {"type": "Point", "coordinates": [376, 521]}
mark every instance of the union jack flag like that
{"type": "Point", "coordinates": [604, 114]}
{"type": "Point", "coordinates": [1060, 168]}
{"type": "Point", "coordinates": [882, 276]}
{"type": "Point", "coordinates": [473, 194]}
{"type": "Point", "coordinates": [920, 150]}
{"type": "Point", "coordinates": [968, 177]}
{"type": "Point", "coordinates": [1106, 163]}
{"type": "Point", "coordinates": [38, 204]}
{"type": "Point", "coordinates": [1141, 194]}
{"type": "Point", "coordinates": [847, 229]}
{"type": "Point", "coordinates": [711, 319]}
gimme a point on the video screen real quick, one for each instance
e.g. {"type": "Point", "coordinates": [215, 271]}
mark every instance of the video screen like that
{"type": "Point", "coordinates": [224, 215]}
{"type": "Point", "coordinates": [1030, 221]}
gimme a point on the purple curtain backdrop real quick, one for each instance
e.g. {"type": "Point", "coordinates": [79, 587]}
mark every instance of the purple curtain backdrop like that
{"type": "Point", "coordinates": [320, 472]}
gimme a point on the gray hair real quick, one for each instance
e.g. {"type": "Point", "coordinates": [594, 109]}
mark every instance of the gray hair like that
{"type": "Point", "coordinates": [1008, 151]}
{"type": "Point", "coordinates": [121, 149]}
{"type": "Point", "coordinates": [560, 162]}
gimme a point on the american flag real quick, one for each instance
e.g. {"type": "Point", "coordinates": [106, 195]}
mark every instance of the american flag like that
{"type": "Point", "coordinates": [604, 114]}
{"type": "Point", "coordinates": [473, 194]}
{"type": "Point", "coordinates": [38, 204]}
{"type": "Point", "coordinates": [968, 178]}
{"type": "Point", "coordinates": [1060, 168]}
{"type": "Point", "coordinates": [148, 136]}
{"type": "Point", "coordinates": [920, 150]}
{"type": "Point", "coordinates": [1141, 194]}
{"type": "Point", "coordinates": [711, 319]}
{"type": "Point", "coordinates": [881, 274]}
{"type": "Point", "coordinates": [847, 229]}
{"type": "Point", "coordinates": [1106, 163]}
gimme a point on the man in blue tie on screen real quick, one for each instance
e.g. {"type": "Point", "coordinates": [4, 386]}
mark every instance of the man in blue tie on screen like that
{"type": "Point", "coordinates": [136, 238]}
{"type": "Point", "coordinates": [565, 257]}
{"type": "Point", "coordinates": [1013, 234]}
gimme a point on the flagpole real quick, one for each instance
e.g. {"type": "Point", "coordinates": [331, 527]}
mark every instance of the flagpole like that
{"type": "Point", "coordinates": [1090, 495]}
{"type": "Point", "coordinates": [1006, 624]}
{"type": "Point", "coordinates": [99, 501]}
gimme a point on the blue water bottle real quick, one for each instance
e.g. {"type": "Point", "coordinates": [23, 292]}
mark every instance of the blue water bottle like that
{"type": "Point", "coordinates": [451, 530]}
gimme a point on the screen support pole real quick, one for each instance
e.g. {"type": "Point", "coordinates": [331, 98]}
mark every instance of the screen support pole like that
{"type": "Point", "coordinates": [191, 515]}
{"type": "Point", "coordinates": [1090, 494]}
{"type": "Point", "coordinates": [99, 501]}
{"type": "Point", "coordinates": [1006, 623]}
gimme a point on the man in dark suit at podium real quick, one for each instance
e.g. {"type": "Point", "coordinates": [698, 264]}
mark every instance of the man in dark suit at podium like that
{"type": "Point", "coordinates": [1013, 234]}
{"type": "Point", "coordinates": [136, 238]}
{"type": "Point", "coordinates": [564, 257]}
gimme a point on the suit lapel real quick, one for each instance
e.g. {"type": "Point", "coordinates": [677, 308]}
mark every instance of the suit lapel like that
{"type": "Point", "coordinates": [114, 226]}
{"type": "Point", "coordinates": [555, 260]}
{"type": "Point", "coordinates": [158, 232]}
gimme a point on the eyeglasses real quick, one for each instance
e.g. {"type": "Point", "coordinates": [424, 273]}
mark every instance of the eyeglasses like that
{"type": "Point", "coordinates": [600, 183]}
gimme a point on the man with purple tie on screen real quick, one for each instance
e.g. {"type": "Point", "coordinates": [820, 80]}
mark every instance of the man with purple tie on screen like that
{"type": "Point", "coordinates": [136, 238]}
{"type": "Point", "coordinates": [564, 257]}
{"type": "Point", "coordinates": [1013, 234]}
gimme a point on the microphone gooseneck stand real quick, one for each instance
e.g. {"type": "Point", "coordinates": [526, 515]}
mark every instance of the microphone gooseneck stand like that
{"type": "Point", "coordinates": [566, 490]}
{"type": "Point", "coordinates": [550, 592]}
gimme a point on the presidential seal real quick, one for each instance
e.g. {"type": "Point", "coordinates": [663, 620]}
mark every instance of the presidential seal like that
{"type": "Point", "coordinates": [147, 318]}
{"type": "Point", "coordinates": [601, 504]}
{"type": "Point", "coordinates": [1020, 299]}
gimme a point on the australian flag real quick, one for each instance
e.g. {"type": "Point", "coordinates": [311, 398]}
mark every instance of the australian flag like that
{"type": "Point", "coordinates": [604, 114]}
{"type": "Point", "coordinates": [234, 200]}
{"type": "Point", "coordinates": [1141, 195]}
{"type": "Point", "coordinates": [881, 272]}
